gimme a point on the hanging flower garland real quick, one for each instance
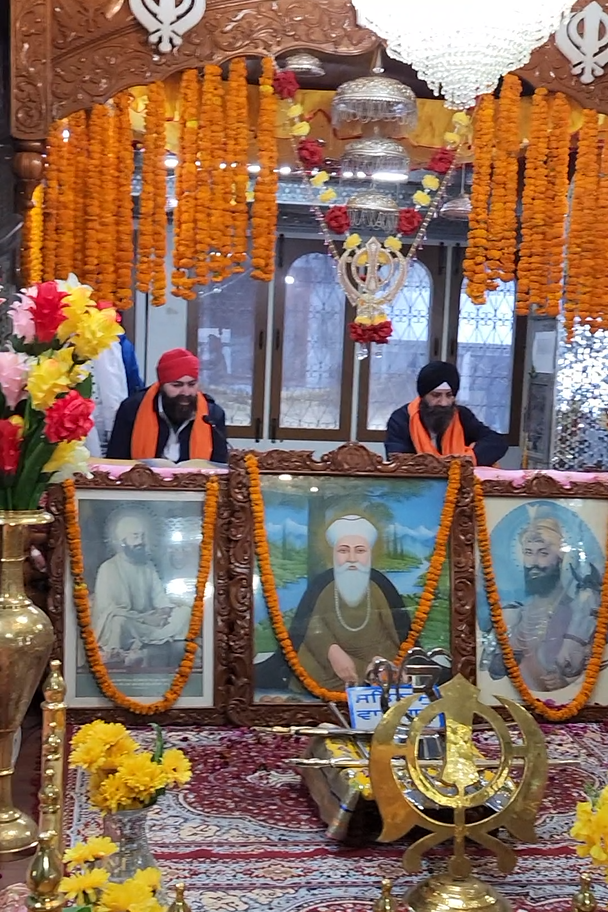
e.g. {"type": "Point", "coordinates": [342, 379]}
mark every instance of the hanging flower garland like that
{"type": "Point", "coordinates": [31, 258]}
{"type": "Point", "coordinates": [83, 611]}
{"type": "Point", "coordinates": [502, 225]}
{"type": "Point", "coordinates": [204, 178]}
{"type": "Point", "coordinates": [264, 210]}
{"type": "Point", "coordinates": [54, 150]}
{"type": "Point", "coordinates": [270, 590]}
{"type": "Point", "coordinates": [159, 273]}
{"type": "Point", "coordinates": [94, 194]}
{"type": "Point", "coordinates": [108, 226]}
{"type": "Point", "coordinates": [474, 267]}
{"type": "Point", "coordinates": [152, 201]}
{"type": "Point", "coordinates": [237, 122]}
{"type": "Point", "coordinates": [558, 159]}
{"type": "Point", "coordinates": [598, 300]}
{"type": "Point", "coordinates": [65, 224]}
{"type": "Point", "coordinates": [124, 202]}
{"type": "Point", "coordinates": [184, 215]}
{"type": "Point", "coordinates": [79, 145]}
{"type": "Point", "coordinates": [219, 227]}
{"type": "Point", "coordinates": [531, 281]}
{"type": "Point", "coordinates": [552, 714]}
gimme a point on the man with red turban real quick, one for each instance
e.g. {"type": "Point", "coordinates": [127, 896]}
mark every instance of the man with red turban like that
{"type": "Point", "coordinates": [171, 419]}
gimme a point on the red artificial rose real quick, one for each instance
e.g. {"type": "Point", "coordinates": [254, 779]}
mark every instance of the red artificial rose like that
{"type": "Point", "coordinates": [69, 418]}
{"type": "Point", "coordinates": [378, 332]}
{"type": "Point", "coordinates": [285, 83]}
{"type": "Point", "coordinates": [48, 310]}
{"type": "Point", "coordinates": [10, 446]}
{"type": "Point", "coordinates": [409, 222]}
{"type": "Point", "coordinates": [310, 153]}
{"type": "Point", "coordinates": [442, 161]}
{"type": "Point", "coordinates": [337, 220]}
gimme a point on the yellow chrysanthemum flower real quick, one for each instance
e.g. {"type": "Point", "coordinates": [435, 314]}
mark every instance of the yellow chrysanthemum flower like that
{"type": "Point", "coordinates": [80, 887]}
{"type": "Point", "coordinates": [94, 849]}
{"type": "Point", "coordinates": [319, 179]}
{"type": "Point", "coordinates": [96, 333]}
{"type": "Point", "coordinates": [295, 110]}
{"type": "Point", "coordinates": [47, 379]}
{"type": "Point", "coordinates": [115, 794]}
{"type": "Point", "coordinates": [90, 755]}
{"type": "Point", "coordinates": [177, 767]}
{"type": "Point", "coordinates": [421, 198]}
{"type": "Point", "coordinates": [327, 196]}
{"type": "Point", "coordinates": [430, 182]}
{"type": "Point", "coordinates": [300, 129]}
{"type": "Point", "coordinates": [150, 878]}
{"type": "Point", "coordinates": [352, 241]}
{"type": "Point", "coordinates": [123, 897]}
{"type": "Point", "coordinates": [142, 775]}
{"type": "Point", "coordinates": [393, 243]}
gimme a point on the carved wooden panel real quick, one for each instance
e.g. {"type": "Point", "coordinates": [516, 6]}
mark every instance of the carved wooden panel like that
{"type": "Point", "coordinates": [349, 460]}
{"type": "Point", "coordinates": [30, 68]}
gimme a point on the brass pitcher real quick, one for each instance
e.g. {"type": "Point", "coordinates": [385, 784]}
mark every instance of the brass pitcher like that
{"type": "Point", "coordinates": [26, 639]}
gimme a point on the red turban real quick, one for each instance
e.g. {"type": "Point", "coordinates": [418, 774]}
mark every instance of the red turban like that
{"type": "Point", "coordinates": [175, 364]}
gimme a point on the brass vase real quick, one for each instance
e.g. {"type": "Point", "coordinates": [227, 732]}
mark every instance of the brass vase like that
{"type": "Point", "coordinates": [26, 639]}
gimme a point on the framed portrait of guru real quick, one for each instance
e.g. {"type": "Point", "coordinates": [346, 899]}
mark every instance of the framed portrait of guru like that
{"type": "Point", "coordinates": [331, 561]}
{"type": "Point", "coordinates": [138, 594]}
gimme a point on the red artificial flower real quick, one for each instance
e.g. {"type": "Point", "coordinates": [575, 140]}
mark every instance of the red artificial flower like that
{"type": "Point", "coordinates": [48, 310]}
{"type": "Point", "coordinates": [69, 418]}
{"type": "Point", "coordinates": [409, 222]}
{"type": "Point", "coordinates": [442, 161]}
{"type": "Point", "coordinates": [310, 153]}
{"type": "Point", "coordinates": [285, 83]}
{"type": "Point", "coordinates": [379, 333]}
{"type": "Point", "coordinates": [10, 446]}
{"type": "Point", "coordinates": [337, 220]}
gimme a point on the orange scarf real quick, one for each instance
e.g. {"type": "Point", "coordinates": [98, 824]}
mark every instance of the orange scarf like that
{"type": "Point", "coordinates": [452, 442]}
{"type": "Point", "coordinates": [144, 439]}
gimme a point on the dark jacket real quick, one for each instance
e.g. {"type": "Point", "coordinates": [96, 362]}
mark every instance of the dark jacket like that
{"type": "Point", "coordinates": [489, 446]}
{"type": "Point", "coordinates": [119, 446]}
{"type": "Point", "coordinates": [129, 359]}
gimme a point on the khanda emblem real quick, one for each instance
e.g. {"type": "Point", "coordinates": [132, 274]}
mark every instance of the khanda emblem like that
{"type": "Point", "coordinates": [371, 276]}
{"type": "Point", "coordinates": [583, 40]}
{"type": "Point", "coordinates": [463, 780]}
{"type": "Point", "coordinates": [167, 21]}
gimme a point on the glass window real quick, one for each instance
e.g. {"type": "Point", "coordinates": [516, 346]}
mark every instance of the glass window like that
{"type": "Point", "coordinates": [485, 355]}
{"type": "Point", "coordinates": [392, 380]}
{"type": "Point", "coordinates": [226, 338]}
{"type": "Point", "coordinates": [313, 345]}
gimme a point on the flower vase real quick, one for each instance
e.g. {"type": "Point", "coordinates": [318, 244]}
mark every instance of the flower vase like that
{"type": "Point", "coordinates": [127, 829]}
{"type": "Point", "coordinates": [26, 640]}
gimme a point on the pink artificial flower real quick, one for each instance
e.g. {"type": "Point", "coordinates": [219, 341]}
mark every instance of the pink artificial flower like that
{"type": "Point", "coordinates": [21, 314]}
{"type": "Point", "coordinates": [13, 375]}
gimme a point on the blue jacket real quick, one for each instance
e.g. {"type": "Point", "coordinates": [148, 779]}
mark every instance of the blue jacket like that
{"type": "Point", "coordinates": [129, 359]}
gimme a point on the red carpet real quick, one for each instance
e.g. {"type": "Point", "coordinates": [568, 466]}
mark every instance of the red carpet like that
{"type": "Point", "coordinates": [245, 837]}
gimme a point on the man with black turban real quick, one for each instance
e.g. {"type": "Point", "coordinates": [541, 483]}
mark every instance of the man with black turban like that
{"type": "Point", "coordinates": [434, 424]}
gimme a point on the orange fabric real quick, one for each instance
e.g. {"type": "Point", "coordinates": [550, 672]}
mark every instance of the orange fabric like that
{"type": "Point", "coordinates": [144, 439]}
{"type": "Point", "coordinates": [452, 442]}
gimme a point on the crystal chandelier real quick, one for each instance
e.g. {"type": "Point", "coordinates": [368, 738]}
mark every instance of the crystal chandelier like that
{"type": "Point", "coordinates": [462, 49]}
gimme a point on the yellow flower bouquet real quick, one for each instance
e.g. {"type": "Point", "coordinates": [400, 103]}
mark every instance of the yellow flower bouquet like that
{"type": "Point", "coordinates": [123, 776]}
{"type": "Point", "coordinates": [591, 828]}
{"type": "Point", "coordinates": [88, 888]}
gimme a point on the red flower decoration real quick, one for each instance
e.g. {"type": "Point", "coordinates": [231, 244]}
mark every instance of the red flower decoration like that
{"type": "Point", "coordinates": [48, 310]}
{"type": "Point", "coordinates": [442, 161]}
{"type": "Point", "coordinates": [409, 221]}
{"type": "Point", "coordinates": [10, 447]}
{"type": "Point", "coordinates": [105, 305]}
{"type": "Point", "coordinates": [69, 418]}
{"type": "Point", "coordinates": [310, 153]}
{"type": "Point", "coordinates": [285, 83]}
{"type": "Point", "coordinates": [379, 333]}
{"type": "Point", "coordinates": [337, 220]}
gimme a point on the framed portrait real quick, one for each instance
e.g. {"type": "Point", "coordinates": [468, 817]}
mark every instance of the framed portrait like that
{"type": "Point", "coordinates": [548, 546]}
{"type": "Point", "coordinates": [350, 539]}
{"type": "Point", "coordinates": [141, 544]}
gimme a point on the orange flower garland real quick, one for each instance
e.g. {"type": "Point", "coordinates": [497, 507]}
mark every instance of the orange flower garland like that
{"type": "Point", "coordinates": [54, 150]}
{"type": "Point", "coordinates": [124, 203]}
{"type": "Point", "coordinates": [94, 194]}
{"type": "Point", "coordinates": [204, 177]}
{"type": "Point", "coordinates": [31, 261]}
{"type": "Point", "coordinates": [79, 151]}
{"type": "Point", "coordinates": [159, 269]}
{"type": "Point", "coordinates": [238, 123]}
{"type": "Point", "coordinates": [598, 308]}
{"type": "Point", "coordinates": [557, 202]}
{"type": "Point", "coordinates": [219, 177]}
{"type": "Point", "coordinates": [264, 211]}
{"type": "Point", "coordinates": [474, 267]}
{"type": "Point", "coordinates": [502, 229]}
{"type": "Point", "coordinates": [83, 611]}
{"type": "Point", "coordinates": [152, 201]}
{"type": "Point", "coordinates": [581, 253]}
{"type": "Point", "coordinates": [531, 278]}
{"type": "Point", "coordinates": [108, 226]}
{"type": "Point", "coordinates": [552, 714]}
{"type": "Point", "coordinates": [272, 598]}
{"type": "Point", "coordinates": [184, 215]}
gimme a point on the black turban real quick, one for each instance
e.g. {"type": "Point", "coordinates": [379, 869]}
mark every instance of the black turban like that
{"type": "Point", "coordinates": [434, 374]}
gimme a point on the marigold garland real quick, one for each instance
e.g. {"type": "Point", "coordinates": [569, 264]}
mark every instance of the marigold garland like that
{"type": "Point", "coordinates": [558, 159]}
{"type": "Point", "coordinates": [124, 203]}
{"type": "Point", "coordinates": [204, 177]}
{"type": "Point", "coordinates": [264, 211]}
{"type": "Point", "coordinates": [237, 122]}
{"type": "Point", "coordinates": [184, 215]}
{"type": "Point", "coordinates": [152, 201]}
{"type": "Point", "coordinates": [83, 611]}
{"type": "Point", "coordinates": [219, 177]}
{"type": "Point", "coordinates": [270, 590]}
{"type": "Point", "coordinates": [79, 150]}
{"type": "Point", "coordinates": [94, 194]}
{"type": "Point", "coordinates": [31, 258]}
{"type": "Point", "coordinates": [108, 226]}
{"type": "Point", "coordinates": [474, 267]}
{"type": "Point", "coordinates": [531, 278]}
{"type": "Point", "coordinates": [502, 227]}
{"type": "Point", "coordinates": [159, 269]}
{"type": "Point", "coordinates": [54, 150]}
{"type": "Point", "coordinates": [598, 306]}
{"type": "Point", "coordinates": [552, 714]}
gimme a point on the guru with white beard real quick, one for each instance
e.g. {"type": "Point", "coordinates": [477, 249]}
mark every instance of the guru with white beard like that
{"type": "Point", "coordinates": [353, 616]}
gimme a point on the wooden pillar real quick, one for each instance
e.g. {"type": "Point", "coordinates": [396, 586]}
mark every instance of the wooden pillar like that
{"type": "Point", "coordinates": [28, 165]}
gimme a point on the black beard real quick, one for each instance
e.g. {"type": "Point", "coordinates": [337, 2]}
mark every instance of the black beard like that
{"type": "Point", "coordinates": [179, 408]}
{"type": "Point", "coordinates": [136, 554]}
{"type": "Point", "coordinates": [436, 418]}
{"type": "Point", "coordinates": [546, 582]}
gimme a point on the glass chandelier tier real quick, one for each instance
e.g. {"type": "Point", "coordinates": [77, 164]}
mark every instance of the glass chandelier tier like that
{"type": "Point", "coordinates": [461, 49]}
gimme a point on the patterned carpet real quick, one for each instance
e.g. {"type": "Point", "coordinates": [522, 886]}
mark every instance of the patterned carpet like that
{"type": "Point", "coordinates": [245, 836]}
